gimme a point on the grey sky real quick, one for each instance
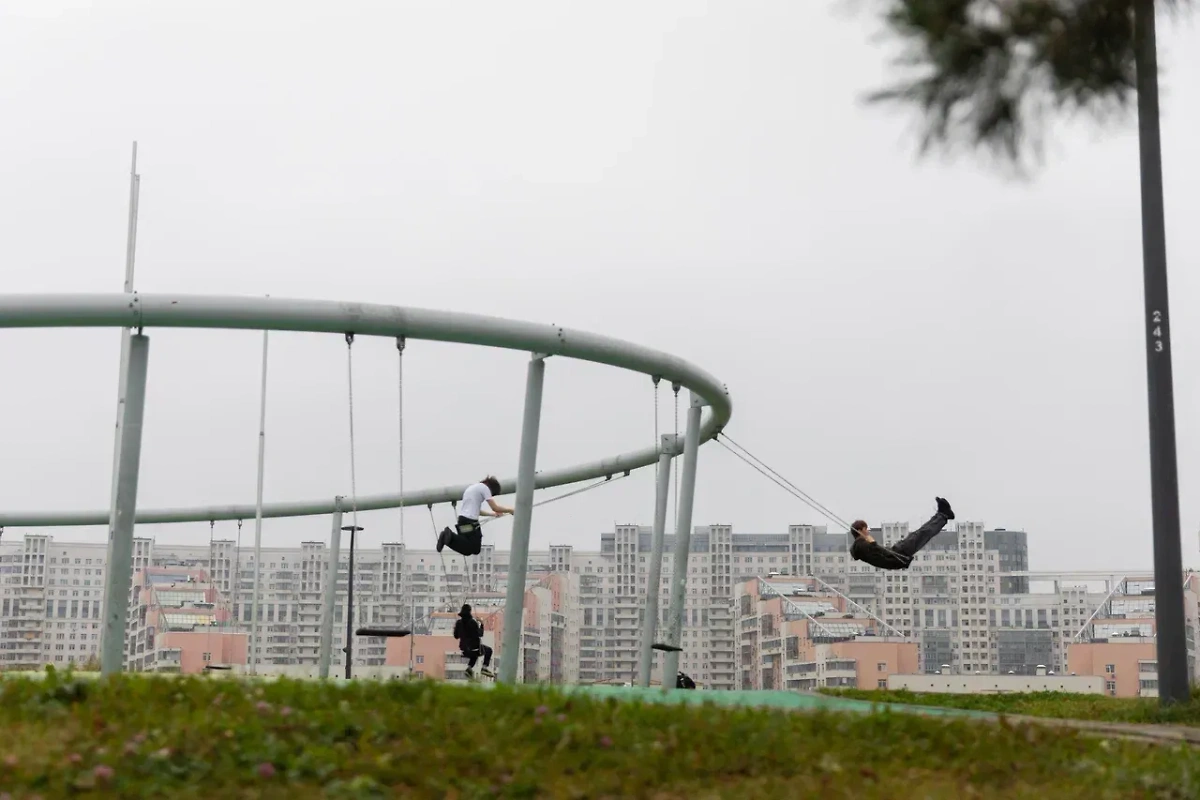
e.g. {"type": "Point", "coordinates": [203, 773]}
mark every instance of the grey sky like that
{"type": "Point", "coordinates": [700, 178]}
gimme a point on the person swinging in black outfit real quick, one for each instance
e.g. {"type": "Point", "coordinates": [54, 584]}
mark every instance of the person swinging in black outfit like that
{"type": "Point", "coordinates": [467, 540]}
{"type": "Point", "coordinates": [469, 632]}
{"type": "Point", "coordinates": [900, 556]}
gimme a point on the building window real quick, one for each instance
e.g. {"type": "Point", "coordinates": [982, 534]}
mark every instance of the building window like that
{"type": "Point", "coordinates": [420, 659]}
{"type": "Point", "coordinates": [881, 666]}
{"type": "Point", "coordinates": [206, 656]}
{"type": "Point", "coordinates": [1110, 669]}
{"type": "Point", "coordinates": [881, 684]}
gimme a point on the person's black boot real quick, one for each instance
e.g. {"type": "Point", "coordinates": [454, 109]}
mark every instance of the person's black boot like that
{"type": "Point", "coordinates": [944, 508]}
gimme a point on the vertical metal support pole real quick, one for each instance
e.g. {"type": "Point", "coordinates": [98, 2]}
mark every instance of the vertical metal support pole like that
{"type": "Point", "coordinates": [1173, 675]}
{"type": "Point", "coordinates": [120, 538]}
{"type": "Point", "coordinates": [349, 649]}
{"type": "Point", "coordinates": [123, 370]}
{"type": "Point", "coordinates": [683, 541]}
{"type": "Point", "coordinates": [258, 518]}
{"type": "Point", "coordinates": [514, 599]}
{"type": "Point", "coordinates": [662, 488]}
{"type": "Point", "coordinates": [130, 250]}
{"type": "Point", "coordinates": [329, 601]}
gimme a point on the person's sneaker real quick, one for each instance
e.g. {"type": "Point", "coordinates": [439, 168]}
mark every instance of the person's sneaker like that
{"type": "Point", "coordinates": [487, 672]}
{"type": "Point", "coordinates": [470, 673]}
{"type": "Point", "coordinates": [944, 508]}
{"type": "Point", "coordinates": [443, 537]}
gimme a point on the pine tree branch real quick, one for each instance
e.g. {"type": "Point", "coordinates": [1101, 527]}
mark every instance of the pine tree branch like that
{"type": "Point", "coordinates": [988, 72]}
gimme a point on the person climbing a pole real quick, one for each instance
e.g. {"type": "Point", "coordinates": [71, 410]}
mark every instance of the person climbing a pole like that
{"type": "Point", "coordinates": [900, 556]}
{"type": "Point", "coordinates": [467, 540]}
{"type": "Point", "coordinates": [469, 632]}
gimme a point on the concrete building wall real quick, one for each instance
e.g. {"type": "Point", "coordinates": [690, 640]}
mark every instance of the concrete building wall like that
{"type": "Point", "coordinates": [1128, 668]}
{"type": "Point", "coordinates": [877, 661]}
{"type": "Point", "coordinates": [199, 650]}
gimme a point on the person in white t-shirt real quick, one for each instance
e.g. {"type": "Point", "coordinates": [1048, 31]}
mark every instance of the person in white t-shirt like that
{"type": "Point", "coordinates": [467, 540]}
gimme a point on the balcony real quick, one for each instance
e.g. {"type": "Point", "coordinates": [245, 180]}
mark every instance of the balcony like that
{"type": "Point", "coordinates": [840, 669]}
{"type": "Point", "coordinates": [803, 668]}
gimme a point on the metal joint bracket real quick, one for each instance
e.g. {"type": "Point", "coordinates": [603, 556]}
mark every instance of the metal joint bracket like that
{"type": "Point", "coordinates": [672, 444]}
{"type": "Point", "coordinates": [135, 306]}
{"type": "Point", "coordinates": [698, 401]}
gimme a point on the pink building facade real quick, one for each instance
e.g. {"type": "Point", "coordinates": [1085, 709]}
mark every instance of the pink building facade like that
{"type": "Point", "coordinates": [180, 623]}
{"type": "Point", "coordinates": [794, 638]}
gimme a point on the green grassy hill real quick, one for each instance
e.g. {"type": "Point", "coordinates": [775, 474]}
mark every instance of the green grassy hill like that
{"type": "Point", "coordinates": [206, 738]}
{"type": "Point", "coordinates": [1044, 704]}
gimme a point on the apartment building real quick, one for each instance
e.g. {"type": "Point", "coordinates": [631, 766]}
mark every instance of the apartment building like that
{"type": "Point", "coordinates": [794, 635]}
{"type": "Point", "coordinates": [960, 603]}
{"type": "Point", "coordinates": [178, 624]}
{"type": "Point", "coordinates": [51, 598]}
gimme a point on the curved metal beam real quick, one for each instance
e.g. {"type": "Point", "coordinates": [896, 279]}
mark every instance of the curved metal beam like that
{"type": "Point", "coordinates": [363, 319]}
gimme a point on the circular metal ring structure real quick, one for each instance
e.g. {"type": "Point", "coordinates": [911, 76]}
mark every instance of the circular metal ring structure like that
{"type": "Point", "coordinates": [362, 319]}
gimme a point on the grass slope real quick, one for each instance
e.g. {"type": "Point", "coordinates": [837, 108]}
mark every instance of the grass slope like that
{"type": "Point", "coordinates": [204, 738]}
{"type": "Point", "coordinates": [1044, 704]}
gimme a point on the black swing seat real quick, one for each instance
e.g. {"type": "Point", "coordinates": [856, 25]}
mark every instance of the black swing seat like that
{"type": "Point", "coordinates": [388, 633]}
{"type": "Point", "coordinates": [218, 667]}
{"type": "Point", "coordinates": [666, 648]}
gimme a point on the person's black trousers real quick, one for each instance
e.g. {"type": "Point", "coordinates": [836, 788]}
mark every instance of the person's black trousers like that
{"type": "Point", "coordinates": [467, 540]}
{"type": "Point", "coordinates": [473, 655]}
{"type": "Point", "coordinates": [911, 545]}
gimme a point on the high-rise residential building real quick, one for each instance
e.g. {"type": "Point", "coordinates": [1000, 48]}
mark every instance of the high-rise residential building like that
{"type": "Point", "coordinates": [795, 635]}
{"type": "Point", "coordinates": [177, 623]}
{"type": "Point", "coordinates": [968, 602]}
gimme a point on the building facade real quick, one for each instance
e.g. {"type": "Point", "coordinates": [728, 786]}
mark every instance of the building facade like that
{"type": "Point", "coordinates": [969, 602]}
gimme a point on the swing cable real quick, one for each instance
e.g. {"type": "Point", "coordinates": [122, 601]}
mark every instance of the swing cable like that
{"type": "Point", "coordinates": [403, 584]}
{"type": "Point", "coordinates": [675, 388]}
{"type": "Point", "coordinates": [657, 443]}
{"type": "Point", "coordinates": [353, 507]}
{"type": "Point", "coordinates": [565, 495]}
{"type": "Point", "coordinates": [779, 480]}
{"type": "Point", "coordinates": [211, 582]}
{"type": "Point", "coordinates": [350, 384]}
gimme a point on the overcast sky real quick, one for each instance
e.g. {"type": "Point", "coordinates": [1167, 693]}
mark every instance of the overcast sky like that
{"type": "Point", "coordinates": [699, 178]}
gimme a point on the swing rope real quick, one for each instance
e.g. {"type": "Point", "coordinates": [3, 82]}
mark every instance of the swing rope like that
{"type": "Point", "coordinates": [777, 479]}
{"type": "Point", "coordinates": [442, 557]}
{"type": "Point", "coordinates": [400, 342]}
{"type": "Point", "coordinates": [656, 379]}
{"type": "Point", "coordinates": [466, 571]}
{"type": "Point", "coordinates": [675, 387]}
{"type": "Point", "coordinates": [353, 491]}
{"type": "Point", "coordinates": [402, 582]}
{"type": "Point", "coordinates": [212, 571]}
{"type": "Point", "coordinates": [236, 584]}
{"type": "Point", "coordinates": [350, 384]}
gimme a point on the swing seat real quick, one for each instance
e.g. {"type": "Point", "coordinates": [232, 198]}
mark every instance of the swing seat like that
{"type": "Point", "coordinates": [387, 633]}
{"type": "Point", "coordinates": [218, 667]}
{"type": "Point", "coordinates": [666, 648]}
